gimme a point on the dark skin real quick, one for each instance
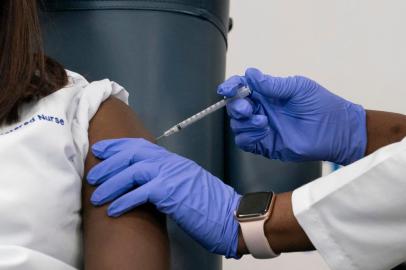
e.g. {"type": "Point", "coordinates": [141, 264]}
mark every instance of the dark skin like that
{"type": "Point", "coordinates": [136, 240]}
{"type": "Point", "coordinates": [282, 229]}
{"type": "Point", "coordinates": [384, 128]}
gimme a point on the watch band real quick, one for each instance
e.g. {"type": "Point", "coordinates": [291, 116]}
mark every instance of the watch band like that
{"type": "Point", "coordinates": [255, 239]}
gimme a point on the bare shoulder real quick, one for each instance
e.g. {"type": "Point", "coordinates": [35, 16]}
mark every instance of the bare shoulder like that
{"type": "Point", "coordinates": [137, 240]}
{"type": "Point", "coordinates": [115, 119]}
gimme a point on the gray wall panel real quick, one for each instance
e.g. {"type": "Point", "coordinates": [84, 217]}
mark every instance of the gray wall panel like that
{"type": "Point", "coordinates": [252, 173]}
{"type": "Point", "coordinates": [171, 63]}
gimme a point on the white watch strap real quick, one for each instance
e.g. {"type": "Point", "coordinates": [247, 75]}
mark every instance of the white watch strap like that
{"type": "Point", "coordinates": [255, 239]}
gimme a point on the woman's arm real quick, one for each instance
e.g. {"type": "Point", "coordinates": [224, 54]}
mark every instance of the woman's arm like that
{"type": "Point", "coordinates": [384, 128]}
{"type": "Point", "coordinates": [138, 239]}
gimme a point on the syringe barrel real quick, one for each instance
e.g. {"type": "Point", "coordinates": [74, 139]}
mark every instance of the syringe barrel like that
{"type": "Point", "coordinates": [203, 113]}
{"type": "Point", "coordinates": [242, 93]}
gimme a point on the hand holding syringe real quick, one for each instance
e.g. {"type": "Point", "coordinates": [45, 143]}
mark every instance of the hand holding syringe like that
{"type": "Point", "coordinates": [242, 93]}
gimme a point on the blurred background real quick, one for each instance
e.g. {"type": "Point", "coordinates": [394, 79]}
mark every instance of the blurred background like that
{"type": "Point", "coordinates": [354, 48]}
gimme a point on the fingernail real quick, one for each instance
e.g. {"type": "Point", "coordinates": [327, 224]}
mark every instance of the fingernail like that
{"type": "Point", "coordinates": [220, 90]}
{"type": "Point", "coordinates": [91, 178]}
{"type": "Point", "coordinates": [99, 146]}
{"type": "Point", "coordinates": [111, 212]}
{"type": "Point", "coordinates": [91, 181]}
{"type": "Point", "coordinates": [95, 199]}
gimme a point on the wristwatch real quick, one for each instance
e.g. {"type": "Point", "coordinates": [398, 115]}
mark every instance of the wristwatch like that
{"type": "Point", "coordinates": [254, 210]}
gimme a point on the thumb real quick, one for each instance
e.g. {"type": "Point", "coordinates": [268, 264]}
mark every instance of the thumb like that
{"type": "Point", "coordinates": [269, 86]}
{"type": "Point", "coordinates": [230, 87]}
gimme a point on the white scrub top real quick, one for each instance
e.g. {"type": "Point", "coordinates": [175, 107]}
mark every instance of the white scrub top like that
{"type": "Point", "coordinates": [42, 166]}
{"type": "Point", "coordinates": [356, 216]}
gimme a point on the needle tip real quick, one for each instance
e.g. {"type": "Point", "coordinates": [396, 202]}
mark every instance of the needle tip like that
{"type": "Point", "coordinates": [160, 137]}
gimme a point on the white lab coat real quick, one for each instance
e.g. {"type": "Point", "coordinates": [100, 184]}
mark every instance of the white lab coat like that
{"type": "Point", "coordinates": [356, 216]}
{"type": "Point", "coordinates": [42, 167]}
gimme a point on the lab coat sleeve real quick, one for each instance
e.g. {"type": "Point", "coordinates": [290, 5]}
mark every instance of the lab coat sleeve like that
{"type": "Point", "coordinates": [356, 216]}
{"type": "Point", "coordinates": [84, 105]}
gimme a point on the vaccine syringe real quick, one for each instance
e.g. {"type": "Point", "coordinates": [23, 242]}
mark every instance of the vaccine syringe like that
{"type": "Point", "coordinates": [242, 93]}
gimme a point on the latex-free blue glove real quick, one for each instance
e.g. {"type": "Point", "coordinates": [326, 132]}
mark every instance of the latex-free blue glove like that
{"type": "Point", "coordinates": [136, 172]}
{"type": "Point", "coordinates": [294, 119]}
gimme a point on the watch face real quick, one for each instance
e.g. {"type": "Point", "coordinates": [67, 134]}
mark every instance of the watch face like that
{"type": "Point", "coordinates": [254, 204]}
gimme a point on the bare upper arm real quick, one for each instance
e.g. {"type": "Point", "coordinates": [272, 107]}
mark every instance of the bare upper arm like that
{"type": "Point", "coordinates": [137, 240]}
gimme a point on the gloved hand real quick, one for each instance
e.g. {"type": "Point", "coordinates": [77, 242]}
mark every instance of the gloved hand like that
{"type": "Point", "coordinates": [136, 172]}
{"type": "Point", "coordinates": [294, 119]}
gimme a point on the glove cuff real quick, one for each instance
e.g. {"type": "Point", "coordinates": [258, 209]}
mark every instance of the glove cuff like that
{"type": "Point", "coordinates": [232, 250]}
{"type": "Point", "coordinates": [357, 134]}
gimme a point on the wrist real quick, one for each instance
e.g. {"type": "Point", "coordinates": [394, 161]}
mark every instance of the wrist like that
{"type": "Point", "coordinates": [384, 128]}
{"type": "Point", "coordinates": [356, 135]}
{"type": "Point", "coordinates": [282, 230]}
{"type": "Point", "coordinates": [254, 210]}
{"type": "Point", "coordinates": [242, 248]}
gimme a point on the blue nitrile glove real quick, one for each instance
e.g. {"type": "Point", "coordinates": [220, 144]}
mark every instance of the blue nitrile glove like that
{"type": "Point", "coordinates": [136, 172]}
{"type": "Point", "coordinates": [294, 119]}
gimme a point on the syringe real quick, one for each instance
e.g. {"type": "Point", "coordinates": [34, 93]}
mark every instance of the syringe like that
{"type": "Point", "coordinates": [242, 93]}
